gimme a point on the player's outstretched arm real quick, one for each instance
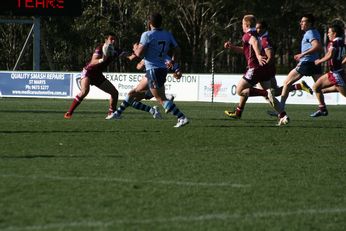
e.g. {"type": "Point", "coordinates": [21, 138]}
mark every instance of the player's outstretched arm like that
{"type": "Point", "coordinates": [236, 49]}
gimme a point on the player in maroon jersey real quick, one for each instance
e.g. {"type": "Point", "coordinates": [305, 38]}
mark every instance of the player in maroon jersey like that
{"type": "Point", "coordinates": [92, 75]}
{"type": "Point", "coordinates": [258, 71]}
{"type": "Point", "coordinates": [267, 50]}
{"type": "Point", "coordinates": [334, 79]}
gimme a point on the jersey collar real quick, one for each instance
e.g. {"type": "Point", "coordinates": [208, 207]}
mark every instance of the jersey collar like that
{"type": "Point", "coordinates": [251, 29]}
{"type": "Point", "coordinates": [264, 35]}
{"type": "Point", "coordinates": [337, 39]}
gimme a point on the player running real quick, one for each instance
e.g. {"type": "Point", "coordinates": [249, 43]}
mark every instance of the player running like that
{"type": "Point", "coordinates": [268, 51]}
{"type": "Point", "coordinates": [142, 91]}
{"type": "Point", "coordinates": [334, 79]}
{"type": "Point", "coordinates": [154, 46]}
{"type": "Point", "coordinates": [258, 70]}
{"type": "Point", "coordinates": [310, 48]}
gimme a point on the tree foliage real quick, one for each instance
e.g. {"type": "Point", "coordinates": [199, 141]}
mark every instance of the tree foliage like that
{"type": "Point", "coordinates": [200, 27]}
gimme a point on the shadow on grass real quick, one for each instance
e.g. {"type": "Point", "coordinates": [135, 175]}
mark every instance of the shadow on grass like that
{"type": "Point", "coordinates": [270, 123]}
{"type": "Point", "coordinates": [49, 111]}
{"type": "Point", "coordinates": [57, 156]}
{"type": "Point", "coordinates": [79, 131]}
{"type": "Point", "coordinates": [271, 126]}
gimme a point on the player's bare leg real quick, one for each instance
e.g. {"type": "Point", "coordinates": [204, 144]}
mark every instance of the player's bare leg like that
{"type": "Point", "coordinates": [292, 77]}
{"type": "Point", "coordinates": [109, 88]}
{"type": "Point", "coordinates": [320, 84]}
{"type": "Point", "coordinates": [85, 88]}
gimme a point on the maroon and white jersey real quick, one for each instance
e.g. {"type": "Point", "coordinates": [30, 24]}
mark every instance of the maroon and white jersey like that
{"type": "Point", "coordinates": [338, 46]}
{"type": "Point", "coordinates": [266, 43]}
{"type": "Point", "coordinates": [100, 66]}
{"type": "Point", "coordinates": [248, 51]}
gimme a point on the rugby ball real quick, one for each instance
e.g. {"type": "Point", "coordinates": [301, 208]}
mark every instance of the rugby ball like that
{"type": "Point", "coordinates": [108, 50]}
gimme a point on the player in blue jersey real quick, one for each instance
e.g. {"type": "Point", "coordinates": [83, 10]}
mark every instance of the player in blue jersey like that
{"type": "Point", "coordinates": [142, 91]}
{"type": "Point", "coordinates": [153, 47]}
{"type": "Point", "coordinates": [310, 49]}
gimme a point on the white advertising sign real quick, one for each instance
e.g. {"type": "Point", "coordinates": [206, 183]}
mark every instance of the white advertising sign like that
{"type": "Point", "coordinates": [224, 88]}
{"type": "Point", "coordinates": [184, 89]}
{"type": "Point", "coordinates": [191, 87]}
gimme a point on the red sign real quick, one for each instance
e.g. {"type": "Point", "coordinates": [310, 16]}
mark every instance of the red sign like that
{"type": "Point", "coordinates": [41, 7]}
{"type": "Point", "coordinates": [40, 4]}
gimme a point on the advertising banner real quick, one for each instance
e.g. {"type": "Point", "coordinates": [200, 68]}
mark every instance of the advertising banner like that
{"type": "Point", "coordinates": [184, 89]}
{"type": "Point", "coordinates": [191, 87]}
{"type": "Point", "coordinates": [225, 91]}
{"type": "Point", "coordinates": [35, 84]}
{"type": "Point", "coordinates": [224, 88]}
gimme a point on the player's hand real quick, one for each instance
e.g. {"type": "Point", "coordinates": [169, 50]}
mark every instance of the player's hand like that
{"type": "Point", "coordinates": [177, 74]}
{"type": "Point", "coordinates": [297, 57]}
{"type": "Point", "coordinates": [140, 65]}
{"type": "Point", "coordinates": [131, 57]}
{"type": "Point", "coordinates": [227, 45]}
{"type": "Point", "coordinates": [169, 64]}
{"type": "Point", "coordinates": [262, 60]}
{"type": "Point", "coordinates": [135, 46]}
{"type": "Point", "coordinates": [317, 62]}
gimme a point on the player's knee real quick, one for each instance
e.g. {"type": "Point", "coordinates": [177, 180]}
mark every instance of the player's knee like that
{"type": "Point", "coordinates": [342, 91]}
{"type": "Point", "coordinates": [83, 93]}
{"type": "Point", "coordinates": [243, 92]}
{"type": "Point", "coordinates": [316, 88]}
{"type": "Point", "coordinates": [239, 91]}
{"type": "Point", "coordinates": [286, 83]}
{"type": "Point", "coordinates": [132, 93]}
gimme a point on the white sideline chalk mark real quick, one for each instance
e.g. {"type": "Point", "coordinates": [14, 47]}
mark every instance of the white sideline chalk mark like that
{"type": "Point", "coordinates": [206, 217]}
{"type": "Point", "coordinates": [123, 180]}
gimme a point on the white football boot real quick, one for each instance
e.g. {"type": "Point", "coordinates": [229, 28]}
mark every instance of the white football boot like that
{"type": "Point", "coordinates": [181, 122]}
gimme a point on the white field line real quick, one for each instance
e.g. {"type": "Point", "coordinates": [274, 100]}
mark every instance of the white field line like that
{"type": "Point", "coordinates": [124, 180]}
{"type": "Point", "coordinates": [186, 219]}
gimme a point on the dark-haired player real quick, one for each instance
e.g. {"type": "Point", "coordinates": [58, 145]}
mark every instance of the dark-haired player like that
{"type": "Point", "coordinates": [142, 91]}
{"type": "Point", "coordinates": [153, 47]}
{"type": "Point", "coordinates": [334, 79]}
{"type": "Point", "coordinates": [268, 51]}
{"type": "Point", "coordinates": [310, 49]}
{"type": "Point", "coordinates": [92, 75]}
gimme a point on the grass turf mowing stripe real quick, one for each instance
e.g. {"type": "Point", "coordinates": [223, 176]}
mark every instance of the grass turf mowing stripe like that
{"type": "Point", "coordinates": [124, 180]}
{"type": "Point", "coordinates": [198, 218]}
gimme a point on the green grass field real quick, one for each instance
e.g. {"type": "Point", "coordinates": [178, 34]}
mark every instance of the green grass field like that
{"type": "Point", "coordinates": [142, 174]}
